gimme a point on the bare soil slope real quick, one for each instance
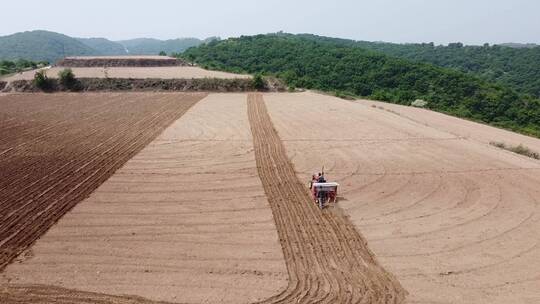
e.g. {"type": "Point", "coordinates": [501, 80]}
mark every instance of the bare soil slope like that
{"type": "Point", "coordinates": [185, 220]}
{"type": "Point", "coordinates": [327, 259]}
{"type": "Point", "coordinates": [120, 61]}
{"type": "Point", "coordinates": [56, 149]}
{"type": "Point", "coordinates": [455, 219]}
{"type": "Point", "coordinates": [133, 72]}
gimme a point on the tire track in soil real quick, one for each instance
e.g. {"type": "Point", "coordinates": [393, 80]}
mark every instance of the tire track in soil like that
{"type": "Point", "coordinates": [327, 259]}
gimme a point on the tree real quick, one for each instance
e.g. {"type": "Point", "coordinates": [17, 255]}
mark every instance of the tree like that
{"type": "Point", "coordinates": [67, 79]}
{"type": "Point", "coordinates": [41, 80]}
{"type": "Point", "coordinates": [162, 53]}
{"type": "Point", "coordinates": [258, 82]}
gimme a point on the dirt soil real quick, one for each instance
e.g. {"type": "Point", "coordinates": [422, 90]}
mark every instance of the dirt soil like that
{"type": "Point", "coordinates": [455, 219]}
{"type": "Point", "coordinates": [458, 127]}
{"type": "Point", "coordinates": [452, 218]}
{"type": "Point", "coordinates": [133, 72]}
{"type": "Point", "coordinates": [56, 149]}
{"type": "Point", "coordinates": [185, 220]}
{"type": "Point", "coordinates": [140, 85]}
{"type": "Point", "coordinates": [120, 61]}
{"type": "Point", "coordinates": [327, 259]}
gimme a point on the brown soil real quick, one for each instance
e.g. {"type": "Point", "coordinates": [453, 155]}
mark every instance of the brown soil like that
{"type": "Point", "coordinates": [453, 218]}
{"type": "Point", "coordinates": [120, 61]}
{"type": "Point", "coordinates": [140, 85]}
{"type": "Point", "coordinates": [185, 220]}
{"type": "Point", "coordinates": [56, 150]}
{"type": "Point", "coordinates": [458, 127]}
{"type": "Point", "coordinates": [178, 72]}
{"type": "Point", "coordinates": [327, 259]}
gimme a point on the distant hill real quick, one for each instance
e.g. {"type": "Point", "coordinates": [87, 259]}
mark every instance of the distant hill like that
{"type": "Point", "coordinates": [344, 69]}
{"type": "Point", "coordinates": [50, 46]}
{"type": "Point", "coordinates": [104, 46]}
{"type": "Point", "coordinates": [42, 45]}
{"type": "Point", "coordinates": [149, 46]}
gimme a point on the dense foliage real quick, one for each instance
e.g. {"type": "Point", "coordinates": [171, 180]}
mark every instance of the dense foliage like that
{"type": "Point", "coordinates": [42, 81]}
{"type": "Point", "coordinates": [518, 67]}
{"type": "Point", "coordinates": [336, 67]}
{"type": "Point", "coordinates": [8, 67]}
{"type": "Point", "coordinates": [68, 81]}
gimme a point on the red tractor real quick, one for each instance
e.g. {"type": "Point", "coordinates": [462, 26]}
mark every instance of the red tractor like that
{"type": "Point", "coordinates": [323, 192]}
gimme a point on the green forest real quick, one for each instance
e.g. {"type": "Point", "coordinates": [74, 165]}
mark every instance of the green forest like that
{"type": "Point", "coordinates": [518, 67]}
{"type": "Point", "coordinates": [350, 70]}
{"type": "Point", "coordinates": [8, 67]}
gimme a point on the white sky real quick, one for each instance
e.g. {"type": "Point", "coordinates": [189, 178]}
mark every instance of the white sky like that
{"type": "Point", "coordinates": [440, 21]}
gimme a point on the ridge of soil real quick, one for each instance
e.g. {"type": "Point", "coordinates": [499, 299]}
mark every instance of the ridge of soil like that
{"type": "Point", "coordinates": [56, 151]}
{"type": "Point", "coordinates": [82, 62]}
{"type": "Point", "coordinates": [327, 259]}
{"type": "Point", "coordinates": [141, 85]}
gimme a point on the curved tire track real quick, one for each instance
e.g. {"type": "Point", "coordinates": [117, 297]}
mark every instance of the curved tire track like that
{"type": "Point", "coordinates": [327, 260]}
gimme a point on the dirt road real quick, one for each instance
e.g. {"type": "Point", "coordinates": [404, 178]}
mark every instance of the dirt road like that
{"type": "Point", "coordinates": [327, 259]}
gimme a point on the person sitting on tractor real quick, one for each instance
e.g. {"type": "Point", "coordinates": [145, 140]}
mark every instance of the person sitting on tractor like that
{"type": "Point", "coordinates": [314, 179]}
{"type": "Point", "coordinates": [321, 178]}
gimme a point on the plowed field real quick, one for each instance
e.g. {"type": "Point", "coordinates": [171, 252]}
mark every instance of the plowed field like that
{"type": "Point", "coordinates": [327, 259]}
{"type": "Point", "coordinates": [210, 212]}
{"type": "Point", "coordinates": [455, 219]}
{"type": "Point", "coordinates": [54, 151]}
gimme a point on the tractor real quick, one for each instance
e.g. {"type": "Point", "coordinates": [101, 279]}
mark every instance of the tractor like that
{"type": "Point", "coordinates": [323, 192]}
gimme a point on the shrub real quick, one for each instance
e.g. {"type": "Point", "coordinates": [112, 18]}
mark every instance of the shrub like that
{"type": "Point", "coordinates": [41, 81]}
{"type": "Point", "coordinates": [419, 103]}
{"type": "Point", "coordinates": [520, 149]}
{"type": "Point", "coordinates": [67, 79]}
{"type": "Point", "coordinates": [258, 82]}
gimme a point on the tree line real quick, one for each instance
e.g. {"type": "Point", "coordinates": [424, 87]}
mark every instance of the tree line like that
{"type": "Point", "coordinates": [9, 67]}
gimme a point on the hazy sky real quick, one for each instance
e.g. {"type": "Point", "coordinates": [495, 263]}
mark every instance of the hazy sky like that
{"type": "Point", "coordinates": [440, 21]}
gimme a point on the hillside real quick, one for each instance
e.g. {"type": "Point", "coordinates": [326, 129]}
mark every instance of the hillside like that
{"type": "Point", "coordinates": [49, 46]}
{"type": "Point", "coordinates": [148, 46]}
{"type": "Point", "coordinates": [104, 46]}
{"type": "Point", "coordinates": [302, 62]}
{"type": "Point", "coordinates": [42, 45]}
{"type": "Point", "coordinates": [515, 65]}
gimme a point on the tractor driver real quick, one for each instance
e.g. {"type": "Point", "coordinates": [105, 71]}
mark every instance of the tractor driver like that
{"type": "Point", "coordinates": [321, 178]}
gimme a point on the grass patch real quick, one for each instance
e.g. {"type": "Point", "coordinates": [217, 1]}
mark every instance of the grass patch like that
{"type": "Point", "coordinates": [519, 149]}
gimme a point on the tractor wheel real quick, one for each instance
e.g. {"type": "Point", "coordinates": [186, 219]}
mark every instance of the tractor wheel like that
{"type": "Point", "coordinates": [321, 202]}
